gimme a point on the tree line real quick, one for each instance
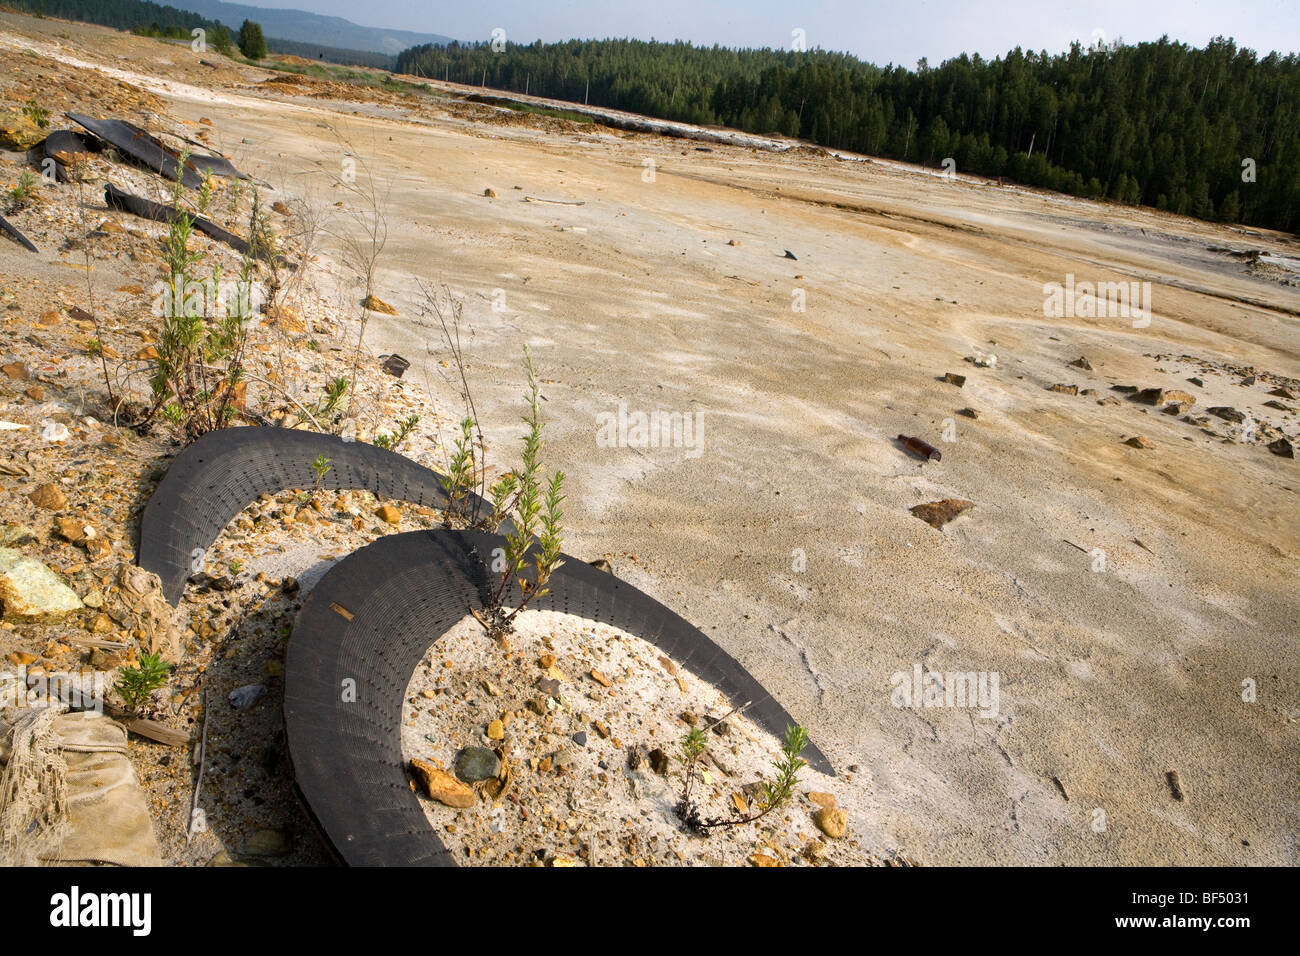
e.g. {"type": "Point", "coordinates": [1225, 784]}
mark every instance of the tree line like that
{"type": "Point", "coordinates": [1212, 133]}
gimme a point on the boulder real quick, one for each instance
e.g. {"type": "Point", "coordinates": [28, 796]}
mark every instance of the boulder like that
{"type": "Point", "coordinates": [30, 591]}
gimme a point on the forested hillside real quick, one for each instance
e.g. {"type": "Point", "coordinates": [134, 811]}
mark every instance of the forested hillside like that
{"type": "Point", "coordinates": [1161, 123]}
{"type": "Point", "coordinates": [154, 19]}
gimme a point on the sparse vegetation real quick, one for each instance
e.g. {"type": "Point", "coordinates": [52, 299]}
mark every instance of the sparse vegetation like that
{"type": "Point", "coordinates": [37, 114]}
{"type": "Point", "coordinates": [136, 684]}
{"type": "Point", "coordinates": [23, 192]}
{"type": "Point", "coordinates": [774, 793]}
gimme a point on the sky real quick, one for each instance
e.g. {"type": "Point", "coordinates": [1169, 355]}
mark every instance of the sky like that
{"type": "Point", "coordinates": [899, 31]}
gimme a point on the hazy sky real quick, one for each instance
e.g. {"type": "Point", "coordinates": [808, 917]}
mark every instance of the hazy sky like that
{"type": "Point", "coordinates": [900, 31]}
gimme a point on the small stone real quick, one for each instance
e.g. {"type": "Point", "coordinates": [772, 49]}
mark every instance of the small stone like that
{"type": "Point", "coordinates": [389, 513]}
{"type": "Point", "coordinates": [1138, 441]}
{"type": "Point", "coordinates": [1083, 363]}
{"type": "Point", "coordinates": [376, 304]}
{"type": "Point", "coordinates": [602, 729]}
{"type": "Point", "coordinates": [1227, 413]}
{"type": "Point", "coordinates": [580, 738]}
{"type": "Point", "coordinates": [822, 799]}
{"type": "Point", "coordinates": [473, 764]}
{"type": "Point", "coordinates": [762, 859]}
{"type": "Point", "coordinates": [22, 659]}
{"type": "Point", "coordinates": [600, 678]}
{"type": "Point", "coordinates": [831, 821]}
{"type": "Point", "coordinates": [35, 393]}
{"type": "Point", "coordinates": [952, 378]}
{"type": "Point", "coordinates": [440, 785]}
{"type": "Point", "coordinates": [1282, 447]}
{"type": "Point", "coordinates": [72, 529]}
{"type": "Point", "coordinates": [16, 371]}
{"type": "Point", "coordinates": [242, 698]}
{"type": "Point", "coordinates": [938, 513]}
{"type": "Point", "coordinates": [1064, 389]}
{"type": "Point", "coordinates": [495, 731]}
{"type": "Point", "coordinates": [1176, 785]}
{"type": "Point", "coordinates": [968, 412]}
{"type": "Point", "coordinates": [49, 497]}
{"type": "Point", "coordinates": [659, 761]}
{"type": "Point", "coordinates": [490, 193]}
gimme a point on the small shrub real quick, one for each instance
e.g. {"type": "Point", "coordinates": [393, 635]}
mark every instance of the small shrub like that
{"type": "Point", "coordinates": [136, 684]}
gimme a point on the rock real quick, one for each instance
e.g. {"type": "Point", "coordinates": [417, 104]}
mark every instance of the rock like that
{"type": "Point", "coordinates": [280, 208]}
{"type": "Point", "coordinates": [1176, 785]}
{"type": "Point", "coordinates": [952, 378]}
{"type": "Point", "coordinates": [389, 513]}
{"type": "Point", "coordinates": [1197, 382]}
{"type": "Point", "coordinates": [35, 393]}
{"type": "Point", "coordinates": [1282, 447]}
{"type": "Point", "coordinates": [831, 821]}
{"type": "Point", "coordinates": [733, 242]}
{"type": "Point", "coordinates": [762, 859]}
{"type": "Point", "coordinates": [49, 497]}
{"type": "Point", "coordinates": [1064, 389]}
{"type": "Point", "coordinates": [822, 799]}
{"type": "Point", "coordinates": [1274, 403]}
{"type": "Point", "coordinates": [477, 763]}
{"type": "Point", "coordinates": [635, 758]}
{"type": "Point", "coordinates": [54, 431]}
{"type": "Point", "coordinates": [22, 659]}
{"type": "Point", "coordinates": [1083, 363]}
{"type": "Point", "coordinates": [601, 564]}
{"type": "Point", "coordinates": [18, 132]}
{"type": "Point", "coordinates": [490, 193]}
{"type": "Point", "coordinates": [602, 729]}
{"type": "Point", "coordinates": [600, 678]}
{"type": "Point", "coordinates": [580, 738]}
{"type": "Point", "coordinates": [938, 513]}
{"type": "Point", "coordinates": [242, 698]}
{"type": "Point", "coordinates": [1283, 392]}
{"type": "Point", "coordinates": [495, 731]}
{"type": "Point", "coordinates": [376, 304]}
{"type": "Point", "coordinates": [269, 843]}
{"type": "Point", "coordinates": [1227, 413]}
{"type": "Point", "coordinates": [30, 591]}
{"type": "Point", "coordinates": [16, 371]}
{"type": "Point", "coordinates": [441, 786]}
{"type": "Point", "coordinates": [814, 851]}
{"type": "Point", "coordinates": [968, 412]}
{"type": "Point", "coordinates": [1137, 441]}
{"type": "Point", "coordinates": [73, 529]}
{"type": "Point", "coordinates": [659, 761]}
{"type": "Point", "coordinates": [1164, 396]}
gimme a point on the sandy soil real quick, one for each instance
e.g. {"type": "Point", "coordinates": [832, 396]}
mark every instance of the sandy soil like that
{"type": "Point", "coordinates": [788, 538]}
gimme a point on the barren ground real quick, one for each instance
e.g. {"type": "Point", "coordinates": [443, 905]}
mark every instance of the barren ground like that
{"type": "Point", "coordinates": [1108, 678]}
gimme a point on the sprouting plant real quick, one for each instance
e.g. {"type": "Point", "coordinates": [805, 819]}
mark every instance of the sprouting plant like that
{"type": "Point", "coordinates": [135, 684]}
{"type": "Point", "coordinates": [94, 347]}
{"type": "Point", "coordinates": [37, 114]}
{"type": "Point", "coordinates": [459, 471]}
{"type": "Point", "coordinates": [236, 566]}
{"type": "Point", "coordinates": [205, 191]}
{"type": "Point", "coordinates": [321, 466]}
{"type": "Point", "coordinates": [23, 191]}
{"type": "Point", "coordinates": [773, 793]}
{"type": "Point", "coordinates": [534, 512]}
{"type": "Point", "coordinates": [404, 428]}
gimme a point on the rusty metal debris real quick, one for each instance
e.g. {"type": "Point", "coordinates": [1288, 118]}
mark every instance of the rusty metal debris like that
{"type": "Point", "coordinates": [62, 146]}
{"type": "Point", "coordinates": [395, 365]}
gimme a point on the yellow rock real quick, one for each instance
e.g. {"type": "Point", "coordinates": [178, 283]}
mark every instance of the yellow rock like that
{"type": "Point", "coordinates": [440, 785]}
{"type": "Point", "coordinates": [390, 514]}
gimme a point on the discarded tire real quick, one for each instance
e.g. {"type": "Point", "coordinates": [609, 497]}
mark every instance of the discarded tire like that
{"type": "Point", "coordinates": [369, 622]}
{"type": "Point", "coordinates": [215, 478]}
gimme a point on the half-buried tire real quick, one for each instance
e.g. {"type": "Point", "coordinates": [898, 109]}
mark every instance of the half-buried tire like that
{"type": "Point", "coordinates": [369, 622]}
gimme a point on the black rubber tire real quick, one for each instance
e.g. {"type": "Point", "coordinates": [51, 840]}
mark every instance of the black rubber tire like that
{"type": "Point", "coordinates": [373, 617]}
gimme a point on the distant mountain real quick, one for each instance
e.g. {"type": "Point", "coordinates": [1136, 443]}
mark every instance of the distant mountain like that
{"type": "Point", "coordinates": [308, 27]}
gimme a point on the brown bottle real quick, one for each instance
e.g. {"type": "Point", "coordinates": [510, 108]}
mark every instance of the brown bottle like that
{"type": "Point", "coordinates": [920, 448]}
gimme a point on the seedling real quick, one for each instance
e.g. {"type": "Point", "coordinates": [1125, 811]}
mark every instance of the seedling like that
{"type": "Point", "coordinates": [773, 794]}
{"type": "Point", "coordinates": [136, 684]}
